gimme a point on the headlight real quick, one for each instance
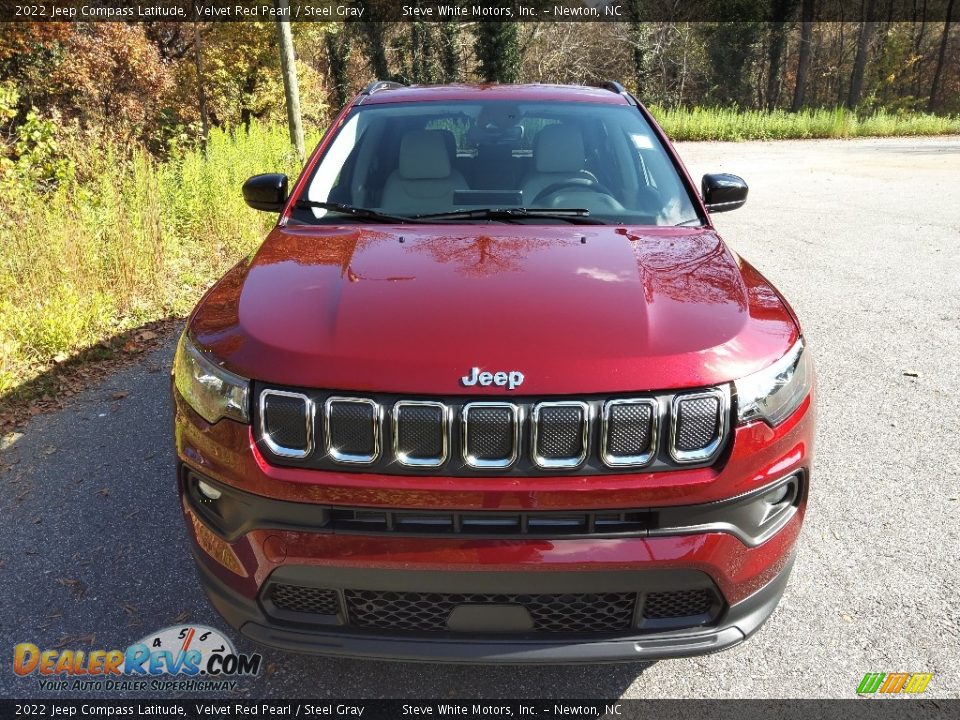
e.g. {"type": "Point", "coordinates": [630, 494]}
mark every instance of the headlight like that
{"type": "Point", "coordinates": [775, 392]}
{"type": "Point", "coordinates": [210, 390]}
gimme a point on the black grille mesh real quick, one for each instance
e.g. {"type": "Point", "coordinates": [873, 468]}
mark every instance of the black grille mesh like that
{"type": "Point", "coordinates": [560, 432]}
{"type": "Point", "coordinates": [284, 419]}
{"type": "Point", "coordinates": [697, 423]}
{"type": "Point", "coordinates": [677, 604]}
{"type": "Point", "coordinates": [490, 433]}
{"type": "Point", "coordinates": [628, 430]}
{"type": "Point", "coordinates": [305, 599]}
{"type": "Point", "coordinates": [420, 432]}
{"type": "Point", "coordinates": [571, 613]}
{"type": "Point", "coordinates": [352, 428]}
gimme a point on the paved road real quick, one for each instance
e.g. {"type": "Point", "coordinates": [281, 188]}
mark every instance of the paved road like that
{"type": "Point", "coordinates": [863, 236]}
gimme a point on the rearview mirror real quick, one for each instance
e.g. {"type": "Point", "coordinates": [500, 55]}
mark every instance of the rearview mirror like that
{"type": "Point", "coordinates": [266, 192]}
{"type": "Point", "coordinates": [723, 192]}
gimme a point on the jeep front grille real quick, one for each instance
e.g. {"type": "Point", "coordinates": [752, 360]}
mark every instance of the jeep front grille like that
{"type": "Point", "coordinates": [463, 436]}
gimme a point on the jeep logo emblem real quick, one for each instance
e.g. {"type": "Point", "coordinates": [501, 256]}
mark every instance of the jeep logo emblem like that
{"type": "Point", "coordinates": [511, 380]}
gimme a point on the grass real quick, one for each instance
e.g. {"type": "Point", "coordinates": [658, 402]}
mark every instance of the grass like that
{"type": "Point", "coordinates": [137, 241]}
{"type": "Point", "coordinates": [731, 124]}
{"type": "Point", "coordinates": [128, 239]}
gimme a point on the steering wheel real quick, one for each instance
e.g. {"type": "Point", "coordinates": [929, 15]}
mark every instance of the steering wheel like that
{"type": "Point", "coordinates": [577, 183]}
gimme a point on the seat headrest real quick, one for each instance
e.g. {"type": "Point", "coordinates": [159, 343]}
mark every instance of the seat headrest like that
{"type": "Point", "coordinates": [424, 155]}
{"type": "Point", "coordinates": [559, 148]}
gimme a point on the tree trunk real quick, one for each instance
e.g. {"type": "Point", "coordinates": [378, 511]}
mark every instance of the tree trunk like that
{"type": "Point", "coordinates": [803, 63]}
{"type": "Point", "coordinates": [201, 89]}
{"type": "Point", "coordinates": [867, 29]}
{"type": "Point", "coordinates": [638, 39]}
{"type": "Point", "coordinates": [450, 32]}
{"type": "Point", "coordinates": [338, 55]}
{"type": "Point", "coordinates": [782, 10]}
{"type": "Point", "coordinates": [935, 86]}
{"type": "Point", "coordinates": [291, 89]}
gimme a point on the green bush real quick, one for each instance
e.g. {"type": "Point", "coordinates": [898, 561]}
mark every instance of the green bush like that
{"type": "Point", "coordinates": [127, 240]}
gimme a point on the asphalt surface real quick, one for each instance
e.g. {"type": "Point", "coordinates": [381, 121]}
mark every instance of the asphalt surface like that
{"type": "Point", "coordinates": [862, 236]}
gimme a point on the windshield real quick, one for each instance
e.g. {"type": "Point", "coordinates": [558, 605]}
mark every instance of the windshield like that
{"type": "Point", "coordinates": [415, 159]}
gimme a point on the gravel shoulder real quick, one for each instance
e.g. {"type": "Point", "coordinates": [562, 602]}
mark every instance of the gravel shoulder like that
{"type": "Point", "coordinates": [863, 236]}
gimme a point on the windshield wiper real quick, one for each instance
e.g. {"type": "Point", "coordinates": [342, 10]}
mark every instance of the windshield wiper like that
{"type": "Point", "coordinates": [357, 212]}
{"type": "Point", "coordinates": [577, 216]}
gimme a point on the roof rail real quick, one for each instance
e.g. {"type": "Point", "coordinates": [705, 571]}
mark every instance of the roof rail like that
{"type": "Point", "coordinates": [378, 85]}
{"type": "Point", "coordinates": [614, 86]}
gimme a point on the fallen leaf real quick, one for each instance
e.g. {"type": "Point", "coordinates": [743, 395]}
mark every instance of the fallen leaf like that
{"type": "Point", "coordinates": [120, 395]}
{"type": "Point", "coordinates": [77, 587]}
{"type": "Point", "coordinates": [7, 441]}
{"type": "Point", "coordinates": [103, 492]}
{"type": "Point", "coordinates": [182, 617]}
{"type": "Point", "coordinates": [73, 639]}
{"type": "Point", "coordinates": [147, 335]}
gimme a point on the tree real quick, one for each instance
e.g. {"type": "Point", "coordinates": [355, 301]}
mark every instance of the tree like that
{"type": "Point", "coordinates": [867, 29]}
{"type": "Point", "coordinates": [450, 51]}
{"type": "Point", "coordinates": [935, 86]}
{"type": "Point", "coordinates": [803, 62]}
{"type": "Point", "coordinates": [372, 32]}
{"type": "Point", "coordinates": [498, 51]}
{"type": "Point", "coordinates": [781, 12]}
{"type": "Point", "coordinates": [338, 44]}
{"type": "Point", "coordinates": [730, 47]}
{"type": "Point", "coordinates": [638, 43]}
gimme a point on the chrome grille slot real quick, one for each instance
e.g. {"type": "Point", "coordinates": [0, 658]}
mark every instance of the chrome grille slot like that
{"type": "Point", "coordinates": [697, 425]}
{"type": "Point", "coordinates": [629, 432]}
{"type": "Point", "coordinates": [491, 434]}
{"type": "Point", "coordinates": [560, 434]}
{"type": "Point", "coordinates": [352, 429]}
{"type": "Point", "coordinates": [420, 433]}
{"type": "Point", "coordinates": [286, 423]}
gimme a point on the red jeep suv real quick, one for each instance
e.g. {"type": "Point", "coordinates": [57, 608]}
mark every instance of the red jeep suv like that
{"type": "Point", "coordinates": [494, 390]}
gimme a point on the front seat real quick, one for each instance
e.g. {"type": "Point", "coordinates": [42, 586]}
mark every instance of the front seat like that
{"type": "Point", "coordinates": [558, 156]}
{"type": "Point", "coordinates": [424, 181]}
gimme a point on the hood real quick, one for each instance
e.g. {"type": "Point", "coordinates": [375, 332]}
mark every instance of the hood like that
{"type": "Point", "coordinates": [412, 309]}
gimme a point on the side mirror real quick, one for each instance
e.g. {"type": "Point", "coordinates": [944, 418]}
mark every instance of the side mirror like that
{"type": "Point", "coordinates": [266, 192]}
{"type": "Point", "coordinates": [723, 192]}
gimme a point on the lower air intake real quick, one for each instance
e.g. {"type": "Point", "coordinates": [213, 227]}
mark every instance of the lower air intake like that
{"type": "Point", "coordinates": [296, 598]}
{"type": "Point", "coordinates": [566, 613]}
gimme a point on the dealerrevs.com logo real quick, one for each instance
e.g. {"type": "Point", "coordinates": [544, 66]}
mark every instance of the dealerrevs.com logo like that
{"type": "Point", "coordinates": [179, 658]}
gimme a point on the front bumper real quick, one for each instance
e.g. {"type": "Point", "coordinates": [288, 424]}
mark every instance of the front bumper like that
{"type": "Point", "coordinates": [737, 623]}
{"type": "Point", "coordinates": [238, 560]}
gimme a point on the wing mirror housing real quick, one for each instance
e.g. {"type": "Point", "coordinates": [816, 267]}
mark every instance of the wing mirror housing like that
{"type": "Point", "coordinates": [723, 192]}
{"type": "Point", "coordinates": [266, 192]}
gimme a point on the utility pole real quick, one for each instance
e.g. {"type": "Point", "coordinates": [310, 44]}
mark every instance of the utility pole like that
{"type": "Point", "coordinates": [291, 89]}
{"type": "Point", "coordinates": [201, 91]}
